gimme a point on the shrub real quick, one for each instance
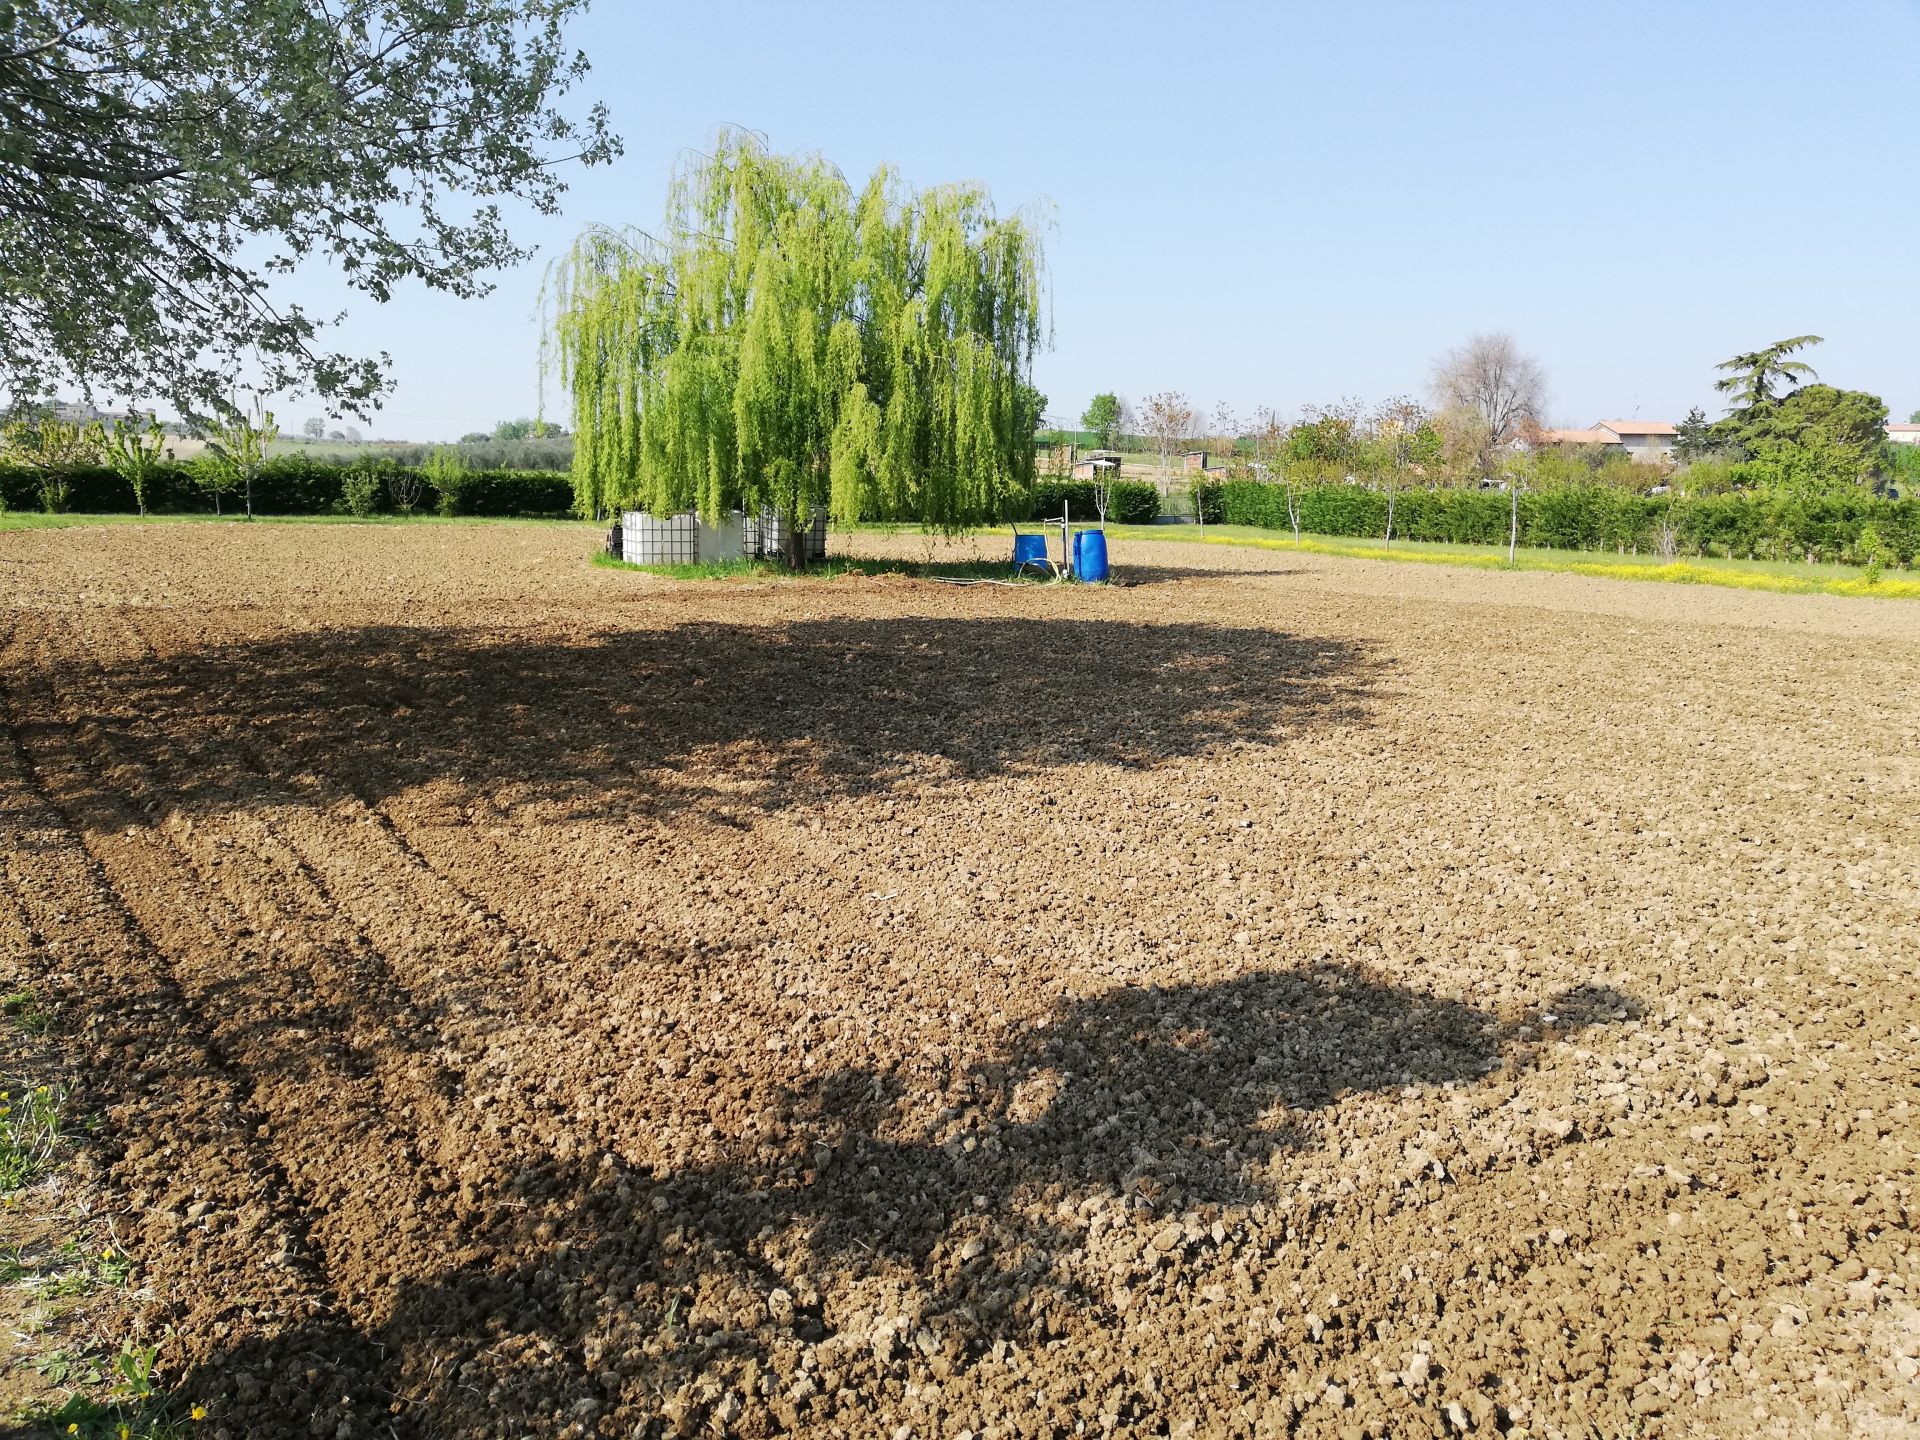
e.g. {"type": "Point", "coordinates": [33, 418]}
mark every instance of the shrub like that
{"type": "Point", "coordinates": [1048, 496]}
{"type": "Point", "coordinates": [501, 493]}
{"type": "Point", "coordinates": [448, 474]}
{"type": "Point", "coordinates": [216, 479]}
{"type": "Point", "coordinates": [1129, 502]}
{"type": "Point", "coordinates": [1871, 549]}
{"type": "Point", "coordinates": [1133, 502]}
{"type": "Point", "coordinates": [361, 491]}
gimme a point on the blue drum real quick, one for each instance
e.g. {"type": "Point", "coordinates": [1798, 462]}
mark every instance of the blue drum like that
{"type": "Point", "coordinates": [1030, 550]}
{"type": "Point", "coordinates": [1090, 556]}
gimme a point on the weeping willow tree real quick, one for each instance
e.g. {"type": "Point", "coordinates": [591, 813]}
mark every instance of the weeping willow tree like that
{"type": "Point", "coordinates": [786, 343]}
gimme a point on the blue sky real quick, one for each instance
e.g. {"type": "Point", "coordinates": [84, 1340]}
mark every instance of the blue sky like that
{"type": "Point", "coordinates": [1268, 204]}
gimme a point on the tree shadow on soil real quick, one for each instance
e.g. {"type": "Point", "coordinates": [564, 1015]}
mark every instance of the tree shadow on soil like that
{"type": "Point", "coordinates": [635, 1301]}
{"type": "Point", "coordinates": [703, 713]}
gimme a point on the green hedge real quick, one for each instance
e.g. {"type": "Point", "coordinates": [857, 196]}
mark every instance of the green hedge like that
{"type": "Point", "coordinates": [300, 485]}
{"type": "Point", "coordinates": [290, 485]}
{"type": "Point", "coordinates": [1752, 526]}
{"type": "Point", "coordinates": [1129, 502]}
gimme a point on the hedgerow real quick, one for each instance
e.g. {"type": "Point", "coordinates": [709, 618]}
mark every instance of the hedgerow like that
{"type": "Point", "coordinates": [1748, 527]}
{"type": "Point", "coordinates": [1129, 502]}
{"type": "Point", "coordinates": [290, 485]}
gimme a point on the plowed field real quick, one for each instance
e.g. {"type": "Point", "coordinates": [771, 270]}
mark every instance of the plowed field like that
{"type": "Point", "coordinates": [1277, 996]}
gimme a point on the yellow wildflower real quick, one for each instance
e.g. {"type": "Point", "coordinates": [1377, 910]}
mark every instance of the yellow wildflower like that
{"type": "Point", "coordinates": [199, 1412]}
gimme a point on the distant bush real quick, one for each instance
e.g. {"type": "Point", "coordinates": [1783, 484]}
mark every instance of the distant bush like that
{"type": "Point", "coordinates": [1775, 526]}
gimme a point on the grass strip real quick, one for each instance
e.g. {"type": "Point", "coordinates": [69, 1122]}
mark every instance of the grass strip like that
{"type": "Point", "coordinates": [833, 568]}
{"type": "Point", "coordinates": [1674, 572]}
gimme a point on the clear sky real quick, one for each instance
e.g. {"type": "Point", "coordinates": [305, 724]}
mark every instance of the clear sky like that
{"type": "Point", "coordinates": [1274, 204]}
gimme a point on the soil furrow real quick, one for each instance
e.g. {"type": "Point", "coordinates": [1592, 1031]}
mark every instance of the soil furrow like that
{"type": "Point", "coordinates": [208, 1204]}
{"type": "Point", "coordinates": [1285, 996]}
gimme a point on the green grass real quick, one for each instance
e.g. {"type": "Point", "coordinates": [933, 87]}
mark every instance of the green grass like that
{"type": "Point", "coordinates": [833, 568]}
{"type": "Point", "coordinates": [30, 1132]}
{"type": "Point", "coordinates": [24, 1009]}
{"type": "Point", "coordinates": [37, 520]}
{"type": "Point", "coordinates": [132, 1408]}
{"type": "Point", "coordinates": [1774, 575]}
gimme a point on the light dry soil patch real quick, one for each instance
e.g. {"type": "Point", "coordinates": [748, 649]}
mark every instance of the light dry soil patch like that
{"type": "Point", "coordinates": [1283, 995]}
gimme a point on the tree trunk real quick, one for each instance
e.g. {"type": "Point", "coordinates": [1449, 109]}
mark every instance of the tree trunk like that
{"type": "Point", "coordinates": [249, 497]}
{"type": "Point", "coordinates": [1513, 531]}
{"type": "Point", "coordinates": [796, 543]}
{"type": "Point", "coordinates": [1389, 516]}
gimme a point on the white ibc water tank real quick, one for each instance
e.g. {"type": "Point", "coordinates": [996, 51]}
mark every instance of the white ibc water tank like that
{"type": "Point", "coordinates": [683, 539]}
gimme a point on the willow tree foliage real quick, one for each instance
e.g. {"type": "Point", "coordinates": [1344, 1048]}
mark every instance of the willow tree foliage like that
{"type": "Point", "coordinates": [788, 342]}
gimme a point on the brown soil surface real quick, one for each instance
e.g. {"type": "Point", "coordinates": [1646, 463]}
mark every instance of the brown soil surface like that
{"type": "Point", "coordinates": [1282, 995]}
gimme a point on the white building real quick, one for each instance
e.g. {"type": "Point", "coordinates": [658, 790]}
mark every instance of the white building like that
{"type": "Point", "coordinates": [1901, 433]}
{"type": "Point", "coordinates": [1642, 439]}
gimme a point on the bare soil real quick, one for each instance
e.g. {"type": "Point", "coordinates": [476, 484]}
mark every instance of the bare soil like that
{"type": "Point", "coordinates": [1282, 995]}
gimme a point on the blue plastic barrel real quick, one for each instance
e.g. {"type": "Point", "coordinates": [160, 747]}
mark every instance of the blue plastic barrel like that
{"type": "Point", "coordinates": [1029, 550]}
{"type": "Point", "coordinates": [1090, 555]}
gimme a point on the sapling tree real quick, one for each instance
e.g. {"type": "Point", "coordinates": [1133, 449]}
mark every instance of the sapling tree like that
{"type": "Point", "coordinates": [1105, 472]}
{"type": "Point", "coordinates": [1519, 469]}
{"type": "Point", "coordinates": [787, 342]}
{"type": "Point", "coordinates": [135, 451]}
{"type": "Point", "coordinates": [403, 487]}
{"type": "Point", "coordinates": [1168, 417]}
{"type": "Point", "coordinates": [209, 474]}
{"type": "Point", "coordinates": [237, 445]}
{"type": "Point", "coordinates": [1397, 428]}
{"type": "Point", "coordinates": [52, 449]}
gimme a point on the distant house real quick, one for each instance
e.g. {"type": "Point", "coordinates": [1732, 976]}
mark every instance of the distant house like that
{"type": "Point", "coordinates": [79, 412]}
{"type": "Point", "coordinates": [1641, 439]}
{"type": "Point", "coordinates": [1901, 433]}
{"type": "Point", "coordinates": [1099, 465]}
